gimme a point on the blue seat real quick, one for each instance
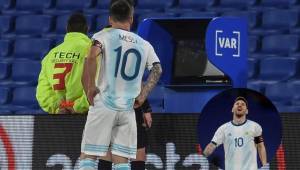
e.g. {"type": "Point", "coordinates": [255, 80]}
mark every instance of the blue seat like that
{"type": "Point", "coordinates": [275, 3]}
{"type": "Point", "coordinates": [236, 4]}
{"type": "Point", "coordinates": [28, 5]}
{"type": "Point", "coordinates": [279, 93]}
{"type": "Point", "coordinates": [5, 4]}
{"type": "Point", "coordinates": [73, 4]}
{"type": "Point", "coordinates": [252, 68]}
{"type": "Point", "coordinates": [255, 85]}
{"type": "Point", "coordinates": [250, 16]}
{"type": "Point", "coordinates": [5, 24]}
{"type": "Point", "coordinates": [197, 5]}
{"type": "Point", "coordinates": [280, 44]}
{"type": "Point", "coordinates": [154, 5]}
{"type": "Point", "coordinates": [102, 21]}
{"type": "Point", "coordinates": [103, 4]}
{"type": "Point", "coordinates": [33, 25]}
{"type": "Point", "coordinates": [277, 69]}
{"type": "Point", "coordinates": [25, 96]}
{"type": "Point", "coordinates": [62, 21]}
{"type": "Point", "coordinates": [253, 43]}
{"type": "Point", "coordinates": [4, 70]}
{"type": "Point", "coordinates": [295, 21]}
{"type": "Point", "coordinates": [24, 48]}
{"type": "Point", "coordinates": [5, 48]}
{"type": "Point", "coordinates": [4, 95]}
{"type": "Point", "coordinates": [276, 21]}
{"type": "Point", "coordinates": [25, 72]}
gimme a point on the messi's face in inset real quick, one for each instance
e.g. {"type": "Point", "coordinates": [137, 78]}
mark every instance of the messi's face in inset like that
{"type": "Point", "coordinates": [240, 108]}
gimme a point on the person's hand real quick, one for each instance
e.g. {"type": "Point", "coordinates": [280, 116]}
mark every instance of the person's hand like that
{"type": "Point", "coordinates": [70, 110]}
{"type": "Point", "coordinates": [66, 110]}
{"type": "Point", "coordinates": [147, 120]}
{"type": "Point", "coordinates": [138, 101]}
{"type": "Point", "coordinates": [92, 92]}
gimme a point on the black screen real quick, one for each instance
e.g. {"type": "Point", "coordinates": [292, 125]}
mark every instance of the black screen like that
{"type": "Point", "coordinates": [190, 58]}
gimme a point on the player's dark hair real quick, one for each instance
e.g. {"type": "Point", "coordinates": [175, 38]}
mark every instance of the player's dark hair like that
{"type": "Point", "coordinates": [241, 98]}
{"type": "Point", "coordinates": [77, 23]}
{"type": "Point", "coordinates": [121, 10]}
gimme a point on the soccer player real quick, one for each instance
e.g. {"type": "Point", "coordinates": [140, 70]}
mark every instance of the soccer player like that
{"type": "Point", "coordinates": [241, 139]}
{"type": "Point", "coordinates": [59, 89]}
{"type": "Point", "coordinates": [111, 119]}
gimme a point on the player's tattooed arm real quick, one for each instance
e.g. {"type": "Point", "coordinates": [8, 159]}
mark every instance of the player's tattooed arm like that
{"type": "Point", "coordinates": [152, 80]}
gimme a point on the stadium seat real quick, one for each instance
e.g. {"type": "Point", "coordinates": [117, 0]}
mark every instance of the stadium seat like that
{"type": "Point", "coordinates": [33, 25]}
{"type": "Point", "coordinates": [5, 4]}
{"type": "Point", "coordinates": [280, 44]}
{"type": "Point", "coordinates": [103, 4]}
{"type": "Point", "coordinates": [37, 6]}
{"type": "Point", "coordinates": [73, 4]}
{"type": "Point", "coordinates": [24, 48]}
{"type": "Point", "coordinates": [154, 5]}
{"type": "Point", "coordinates": [279, 93]}
{"type": "Point", "coordinates": [25, 96]}
{"type": "Point", "coordinates": [101, 21]}
{"type": "Point", "coordinates": [62, 21]}
{"type": "Point", "coordinates": [234, 5]}
{"type": "Point", "coordinates": [295, 21]}
{"type": "Point", "coordinates": [4, 95]}
{"type": "Point", "coordinates": [253, 43]}
{"type": "Point", "coordinates": [276, 21]}
{"type": "Point", "coordinates": [277, 69]}
{"type": "Point", "coordinates": [5, 48]}
{"type": "Point", "coordinates": [252, 68]}
{"type": "Point", "coordinates": [5, 24]}
{"type": "Point", "coordinates": [25, 72]}
{"type": "Point", "coordinates": [275, 3]}
{"type": "Point", "coordinates": [251, 16]}
{"type": "Point", "coordinates": [4, 70]}
{"type": "Point", "coordinates": [255, 85]}
{"type": "Point", "coordinates": [196, 5]}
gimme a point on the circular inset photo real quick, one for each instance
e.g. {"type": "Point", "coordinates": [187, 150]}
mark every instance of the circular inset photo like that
{"type": "Point", "coordinates": [239, 129]}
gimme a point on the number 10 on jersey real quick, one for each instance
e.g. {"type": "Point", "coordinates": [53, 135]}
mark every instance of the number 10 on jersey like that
{"type": "Point", "coordinates": [124, 57]}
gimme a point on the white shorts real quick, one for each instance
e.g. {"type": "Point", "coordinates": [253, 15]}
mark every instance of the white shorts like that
{"type": "Point", "coordinates": [106, 128]}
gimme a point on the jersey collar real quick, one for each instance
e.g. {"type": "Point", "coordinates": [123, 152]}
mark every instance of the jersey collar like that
{"type": "Point", "coordinates": [238, 124]}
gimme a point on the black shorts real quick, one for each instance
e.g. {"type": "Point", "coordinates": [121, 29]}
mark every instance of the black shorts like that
{"type": "Point", "coordinates": [141, 130]}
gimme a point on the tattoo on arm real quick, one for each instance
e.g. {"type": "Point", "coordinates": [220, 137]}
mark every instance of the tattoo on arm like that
{"type": "Point", "coordinates": [153, 78]}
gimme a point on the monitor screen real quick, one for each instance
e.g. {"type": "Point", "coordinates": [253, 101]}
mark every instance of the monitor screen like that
{"type": "Point", "coordinates": [190, 58]}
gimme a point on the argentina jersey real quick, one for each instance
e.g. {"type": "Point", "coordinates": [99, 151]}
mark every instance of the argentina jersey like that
{"type": "Point", "coordinates": [239, 146]}
{"type": "Point", "coordinates": [124, 58]}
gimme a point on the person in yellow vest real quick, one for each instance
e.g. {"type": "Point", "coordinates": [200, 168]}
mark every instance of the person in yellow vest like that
{"type": "Point", "coordinates": [59, 88]}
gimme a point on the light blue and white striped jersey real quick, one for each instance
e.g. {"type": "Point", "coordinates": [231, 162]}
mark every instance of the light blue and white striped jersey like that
{"type": "Point", "coordinates": [124, 58]}
{"type": "Point", "coordinates": [239, 145]}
